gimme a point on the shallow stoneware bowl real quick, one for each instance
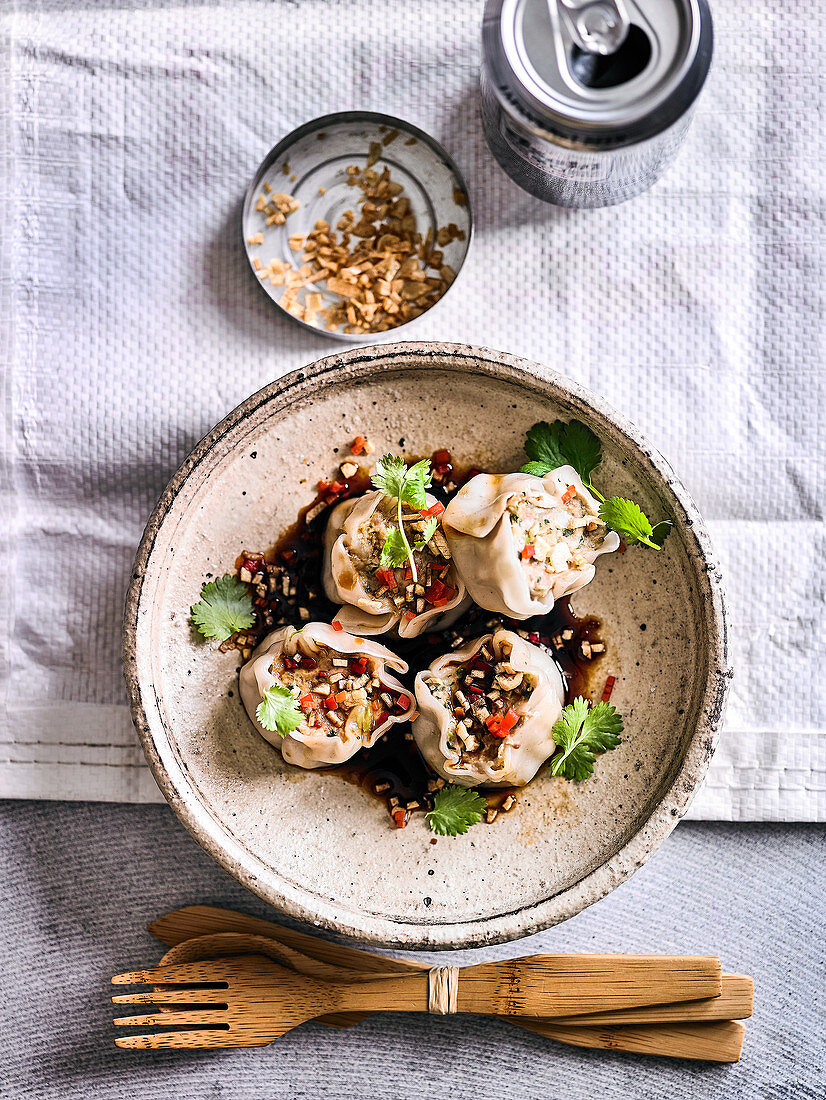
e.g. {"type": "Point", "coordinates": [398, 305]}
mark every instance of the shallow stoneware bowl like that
{"type": "Point", "coordinates": [323, 850]}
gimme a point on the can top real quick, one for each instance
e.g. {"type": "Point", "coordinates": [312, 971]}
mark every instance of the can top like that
{"type": "Point", "coordinates": [612, 70]}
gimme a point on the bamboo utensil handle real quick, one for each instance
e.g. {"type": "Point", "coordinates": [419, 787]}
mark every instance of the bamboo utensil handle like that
{"type": "Point", "coordinates": [720, 1042]}
{"type": "Point", "coordinates": [569, 985]}
{"type": "Point", "coordinates": [736, 1002]}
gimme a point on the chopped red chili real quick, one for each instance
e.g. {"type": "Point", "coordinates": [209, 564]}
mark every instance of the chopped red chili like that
{"type": "Point", "coordinates": [436, 591]}
{"type": "Point", "coordinates": [358, 665]}
{"type": "Point", "coordinates": [400, 817]}
{"type": "Point", "coordinates": [434, 510]}
{"type": "Point", "coordinates": [569, 494]}
{"type": "Point", "coordinates": [331, 703]}
{"type": "Point", "coordinates": [289, 662]}
{"type": "Point", "coordinates": [533, 638]}
{"type": "Point", "coordinates": [609, 687]}
{"type": "Point", "coordinates": [308, 662]}
{"type": "Point", "coordinates": [357, 446]}
{"type": "Point", "coordinates": [510, 719]}
{"type": "Point", "coordinates": [386, 576]}
{"type": "Point", "coordinates": [306, 702]}
{"type": "Point", "coordinates": [336, 625]}
{"type": "Point", "coordinates": [528, 551]}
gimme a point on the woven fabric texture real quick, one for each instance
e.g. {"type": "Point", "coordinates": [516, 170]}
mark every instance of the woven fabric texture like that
{"type": "Point", "coordinates": [131, 324]}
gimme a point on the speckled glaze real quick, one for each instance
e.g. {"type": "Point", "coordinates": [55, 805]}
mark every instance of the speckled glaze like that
{"type": "Point", "coordinates": [324, 851]}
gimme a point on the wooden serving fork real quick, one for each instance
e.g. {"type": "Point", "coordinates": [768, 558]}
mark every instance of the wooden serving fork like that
{"type": "Point", "coordinates": [264, 1000]}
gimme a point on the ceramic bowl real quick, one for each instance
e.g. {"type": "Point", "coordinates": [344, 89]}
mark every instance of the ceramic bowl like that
{"type": "Point", "coordinates": [323, 850]}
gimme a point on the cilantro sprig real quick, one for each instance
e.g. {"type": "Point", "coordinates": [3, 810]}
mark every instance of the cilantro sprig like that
{"type": "Point", "coordinates": [581, 732]}
{"type": "Point", "coordinates": [225, 607]}
{"type": "Point", "coordinates": [278, 711]}
{"type": "Point", "coordinates": [455, 809]}
{"type": "Point", "coordinates": [549, 445]}
{"type": "Point", "coordinates": [408, 485]}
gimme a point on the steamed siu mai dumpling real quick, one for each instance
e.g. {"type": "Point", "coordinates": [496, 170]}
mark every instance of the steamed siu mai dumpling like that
{"type": "Point", "coordinates": [343, 685]}
{"type": "Point", "coordinates": [521, 542]}
{"type": "Point", "coordinates": [377, 599]}
{"type": "Point", "coordinates": [486, 711]}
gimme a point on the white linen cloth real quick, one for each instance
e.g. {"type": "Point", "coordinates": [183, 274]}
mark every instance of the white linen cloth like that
{"type": "Point", "coordinates": [131, 324]}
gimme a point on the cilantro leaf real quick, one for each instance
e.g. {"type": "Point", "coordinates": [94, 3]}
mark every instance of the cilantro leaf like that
{"type": "Point", "coordinates": [542, 444]}
{"type": "Point", "coordinates": [581, 732]}
{"type": "Point", "coordinates": [538, 469]}
{"type": "Point", "coordinates": [408, 485]}
{"type": "Point", "coordinates": [562, 444]}
{"type": "Point", "coordinates": [416, 482]}
{"type": "Point", "coordinates": [225, 606]}
{"type": "Point", "coordinates": [395, 551]}
{"type": "Point", "coordinates": [427, 534]}
{"type": "Point", "coordinates": [390, 474]}
{"type": "Point", "coordinates": [278, 711]}
{"type": "Point", "coordinates": [628, 520]}
{"type": "Point", "coordinates": [455, 809]}
{"type": "Point", "coordinates": [582, 449]}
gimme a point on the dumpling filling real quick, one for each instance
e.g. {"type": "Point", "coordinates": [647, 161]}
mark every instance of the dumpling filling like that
{"type": "Point", "coordinates": [481, 696]}
{"type": "Point", "coordinates": [338, 693]}
{"type": "Point", "coordinates": [487, 710]}
{"type": "Point", "coordinates": [552, 540]}
{"type": "Point", "coordinates": [432, 588]}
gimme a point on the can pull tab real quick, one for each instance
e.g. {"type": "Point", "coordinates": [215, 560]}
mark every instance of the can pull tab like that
{"type": "Point", "coordinates": [596, 26]}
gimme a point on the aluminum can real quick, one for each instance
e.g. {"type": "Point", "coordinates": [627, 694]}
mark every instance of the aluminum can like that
{"type": "Point", "coordinates": [586, 102]}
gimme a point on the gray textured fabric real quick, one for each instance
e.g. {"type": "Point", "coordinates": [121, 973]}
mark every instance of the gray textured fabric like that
{"type": "Point", "coordinates": [80, 881]}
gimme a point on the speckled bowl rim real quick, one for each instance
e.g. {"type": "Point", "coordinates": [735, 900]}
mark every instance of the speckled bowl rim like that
{"type": "Point", "coordinates": [368, 362]}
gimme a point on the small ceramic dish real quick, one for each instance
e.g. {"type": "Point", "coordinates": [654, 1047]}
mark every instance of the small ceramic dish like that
{"type": "Point", "coordinates": [322, 850]}
{"type": "Point", "coordinates": [311, 164]}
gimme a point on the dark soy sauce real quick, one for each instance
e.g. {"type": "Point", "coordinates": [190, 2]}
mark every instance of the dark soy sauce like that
{"type": "Point", "coordinates": [393, 769]}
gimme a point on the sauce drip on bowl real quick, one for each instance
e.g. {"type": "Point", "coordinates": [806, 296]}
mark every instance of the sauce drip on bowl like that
{"type": "Point", "coordinates": [291, 592]}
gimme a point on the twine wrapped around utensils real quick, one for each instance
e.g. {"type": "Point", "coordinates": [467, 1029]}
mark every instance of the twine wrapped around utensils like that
{"type": "Point", "coordinates": [442, 989]}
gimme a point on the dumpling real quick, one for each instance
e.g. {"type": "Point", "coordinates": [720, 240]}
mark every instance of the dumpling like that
{"type": "Point", "coordinates": [318, 664]}
{"type": "Point", "coordinates": [473, 739]}
{"type": "Point", "coordinates": [374, 599]}
{"type": "Point", "coordinates": [521, 542]}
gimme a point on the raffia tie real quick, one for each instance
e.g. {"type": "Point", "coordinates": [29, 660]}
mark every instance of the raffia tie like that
{"type": "Point", "coordinates": [442, 989]}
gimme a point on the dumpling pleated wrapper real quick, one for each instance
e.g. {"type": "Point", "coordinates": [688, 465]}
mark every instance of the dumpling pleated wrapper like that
{"type": "Point", "coordinates": [480, 534]}
{"type": "Point", "coordinates": [305, 746]}
{"type": "Point", "coordinates": [524, 749]}
{"type": "Point", "coordinates": [346, 566]}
